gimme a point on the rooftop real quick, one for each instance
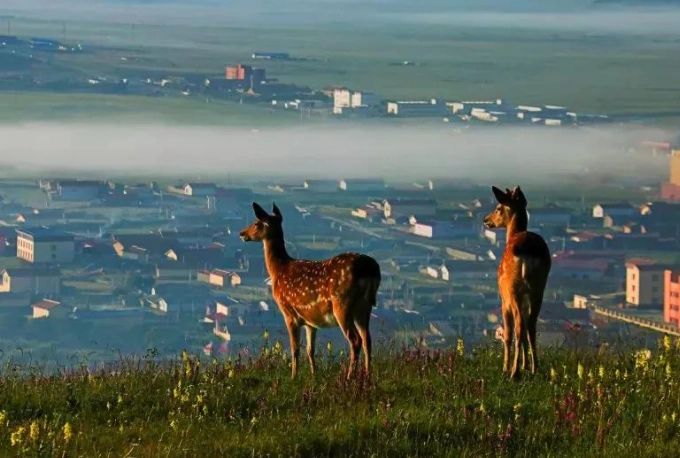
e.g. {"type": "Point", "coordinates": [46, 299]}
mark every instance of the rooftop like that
{"type": "Point", "coordinates": [46, 304]}
{"type": "Point", "coordinates": [45, 234]}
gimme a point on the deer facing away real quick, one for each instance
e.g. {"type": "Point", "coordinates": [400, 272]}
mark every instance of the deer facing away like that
{"type": "Point", "coordinates": [340, 291]}
{"type": "Point", "coordinates": [522, 276]}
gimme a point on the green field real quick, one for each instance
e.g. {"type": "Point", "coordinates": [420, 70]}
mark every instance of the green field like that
{"type": "Point", "coordinates": [598, 404]}
{"type": "Point", "coordinates": [588, 72]}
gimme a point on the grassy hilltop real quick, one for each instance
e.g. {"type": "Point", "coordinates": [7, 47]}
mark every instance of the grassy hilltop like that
{"type": "Point", "coordinates": [439, 404]}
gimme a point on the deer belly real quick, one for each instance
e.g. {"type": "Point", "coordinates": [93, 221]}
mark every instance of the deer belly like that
{"type": "Point", "coordinates": [318, 315]}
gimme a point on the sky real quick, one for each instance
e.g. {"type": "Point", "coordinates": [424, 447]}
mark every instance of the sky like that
{"type": "Point", "coordinates": [514, 154]}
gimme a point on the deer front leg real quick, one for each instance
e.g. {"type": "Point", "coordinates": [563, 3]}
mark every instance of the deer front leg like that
{"type": "Point", "coordinates": [311, 338]}
{"type": "Point", "coordinates": [294, 334]}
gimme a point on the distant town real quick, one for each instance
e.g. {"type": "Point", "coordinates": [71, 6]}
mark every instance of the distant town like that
{"type": "Point", "coordinates": [245, 83]}
{"type": "Point", "coordinates": [104, 265]}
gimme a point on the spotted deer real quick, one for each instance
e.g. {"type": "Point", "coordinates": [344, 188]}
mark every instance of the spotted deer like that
{"type": "Point", "coordinates": [340, 291]}
{"type": "Point", "coordinates": [522, 276]}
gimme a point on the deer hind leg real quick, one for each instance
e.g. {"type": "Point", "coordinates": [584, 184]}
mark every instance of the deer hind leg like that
{"type": "Point", "coordinates": [520, 336]}
{"type": "Point", "coordinates": [507, 337]}
{"type": "Point", "coordinates": [311, 343]}
{"type": "Point", "coordinates": [294, 334]}
{"type": "Point", "coordinates": [346, 323]}
{"type": "Point", "coordinates": [361, 321]}
{"type": "Point", "coordinates": [536, 303]}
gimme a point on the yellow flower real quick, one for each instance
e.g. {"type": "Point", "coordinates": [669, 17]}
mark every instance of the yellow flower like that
{"type": "Point", "coordinates": [3, 417]}
{"type": "Point", "coordinates": [579, 371]}
{"type": "Point", "coordinates": [185, 356]}
{"type": "Point", "coordinates": [667, 342]}
{"type": "Point", "coordinates": [266, 335]}
{"type": "Point", "coordinates": [34, 431]}
{"type": "Point", "coordinates": [617, 374]}
{"type": "Point", "coordinates": [460, 347]}
{"type": "Point", "coordinates": [482, 408]}
{"type": "Point", "coordinates": [329, 347]}
{"type": "Point", "coordinates": [601, 372]}
{"type": "Point", "coordinates": [553, 375]}
{"type": "Point", "coordinates": [68, 432]}
{"type": "Point", "coordinates": [17, 436]}
{"type": "Point", "coordinates": [231, 373]}
{"type": "Point", "coordinates": [669, 370]}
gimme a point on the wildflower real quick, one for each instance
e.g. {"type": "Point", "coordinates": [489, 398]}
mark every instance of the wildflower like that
{"type": "Point", "coordinates": [68, 432]}
{"type": "Point", "coordinates": [254, 421]}
{"type": "Point", "coordinates": [553, 375]}
{"type": "Point", "coordinates": [278, 348]}
{"type": "Point", "coordinates": [266, 335]}
{"type": "Point", "coordinates": [184, 398]}
{"type": "Point", "coordinates": [231, 373]}
{"type": "Point", "coordinates": [482, 408]}
{"type": "Point", "coordinates": [667, 342]}
{"type": "Point", "coordinates": [641, 358]}
{"type": "Point", "coordinates": [173, 425]}
{"type": "Point", "coordinates": [460, 347]}
{"type": "Point", "coordinates": [516, 409]}
{"type": "Point", "coordinates": [3, 418]}
{"type": "Point", "coordinates": [185, 356]}
{"type": "Point", "coordinates": [17, 436]}
{"type": "Point", "coordinates": [601, 372]}
{"type": "Point", "coordinates": [120, 399]}
{"type": "Point", "coordinates": [579, 371]}
{"type": "Point", "coordinates": [669, 370]}
{"type": "Point", "coordinates": [329, 347]}
{"type": "Point", "coordinates": [34, 431]}
{"type": "Point", "coordinates": [617, 374]}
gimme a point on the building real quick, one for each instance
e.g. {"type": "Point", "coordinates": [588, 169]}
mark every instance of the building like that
{"type": "Point", "coordinates": [238, 72]}
{"type": "Point", "coordinates": [671, 297]}
{"type": "Point", "coordinates": [644, 283]}
{"type": "Point", "coordinates": [550, 215]}
{"type": "Point", "coordinates": [671, 189]}
{"type": "Point", "coordinates": [200, 189]}
{"type": "Point", "coordinates": [344, 99]}
{"type": "Point", "coordinates": [32, 281]}
{"type": "Point", "coordinates": [622, 209]}
{"type": "Point", "coordinates": [75, 190]}
{"type": "Point", "coordinates": [408, 207]}
{"type": "Point", "coordinates": [245, 73]}
{"type": "Point", "coordinates": [45, 245]}
{"type": "Point", "coordinates": [362, 184]}
{"type": "Point", "coordinates": [270, 55]}
{"type": "Point", "coordinates": [47, 308]}
{"type": "Point", "coordinates": [222, 278]}
{"type": "Point", "coordinates": [321, 185]}
{"type": "Point", "coordinates": [418, 108]}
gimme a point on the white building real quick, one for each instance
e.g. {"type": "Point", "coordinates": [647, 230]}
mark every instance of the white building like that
{"type": "Point", "coordinates": [417, 108]}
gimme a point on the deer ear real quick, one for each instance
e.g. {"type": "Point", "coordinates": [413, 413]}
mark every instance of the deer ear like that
{"type": "Point", "coordinates": [259, 211]}
{"type": "Point", "coordinates": [276, 212]}
{"type": "Point", "coordinates": [501, 197]}
{"type": "Point", "coordinates": [518, 196]}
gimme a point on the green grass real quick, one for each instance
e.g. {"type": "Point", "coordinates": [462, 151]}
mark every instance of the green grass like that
{"type": "Point", "coordinates": [416, 404]}
{"type": "Point", "coordinates": [611, 73]}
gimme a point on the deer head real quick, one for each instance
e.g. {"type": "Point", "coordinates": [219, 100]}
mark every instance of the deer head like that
{"type": "Point", "coordinates": [266, 227]}
{"type": "Point", "coordinates": [510, 203]}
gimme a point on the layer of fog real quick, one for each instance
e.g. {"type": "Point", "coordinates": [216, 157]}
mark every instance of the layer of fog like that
{"type": "Point", "coordinates": [499, 154]}
{"type": "Point", "coordinates": [557, 15]}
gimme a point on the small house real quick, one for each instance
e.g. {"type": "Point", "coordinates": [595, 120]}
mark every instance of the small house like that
{"type": "Point", "coordinates": [622, 209]}
{"type": "Point", "coordinates": [200, 189]}
{"type": "Point", "coordinates": [48, 308]}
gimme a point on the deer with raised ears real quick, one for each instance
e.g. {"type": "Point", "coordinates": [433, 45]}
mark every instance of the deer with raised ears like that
{"type": "Point", "coordinates": [340, 291]}
{"type": "Point", "coordinates": [522, 276]}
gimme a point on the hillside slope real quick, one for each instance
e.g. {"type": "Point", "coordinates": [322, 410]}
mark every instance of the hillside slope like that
{"type": "Point", "coordinates": [441, 404]}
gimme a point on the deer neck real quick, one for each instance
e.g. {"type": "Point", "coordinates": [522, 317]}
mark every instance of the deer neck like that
{"type": "Point", "coordinates": [518, 223]}
{"type": "Point", "coordinates": [275, 255]}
